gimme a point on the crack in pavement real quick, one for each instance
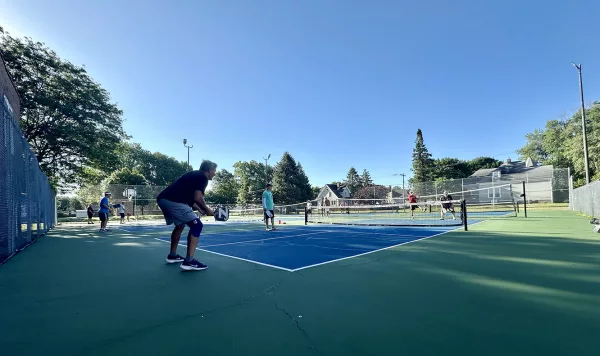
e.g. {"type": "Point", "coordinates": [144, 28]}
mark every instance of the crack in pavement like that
{"type": "Point", "coordinates": [304, 333]}
{"type": "Point", "coordinates": [266, 292]}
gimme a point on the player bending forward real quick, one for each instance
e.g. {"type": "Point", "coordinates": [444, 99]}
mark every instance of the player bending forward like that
{"type": "Point", "coordinates": [447, 207]}
{"type": "Point", "coordinates": [176, 203]}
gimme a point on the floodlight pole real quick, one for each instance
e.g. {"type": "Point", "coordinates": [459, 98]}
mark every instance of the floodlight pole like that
{"type": "Point", "coordinates": [267, 169]}
{"type": "Point", "coordinates": [583, 127]}
{"type": "Point", "coordinates": [188, 151]}
{"type": "Point", "coordinates": [403, 175]}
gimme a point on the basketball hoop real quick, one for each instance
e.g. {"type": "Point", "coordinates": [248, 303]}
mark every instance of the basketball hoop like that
{"type": "Point", "coordinates": [129, 193]}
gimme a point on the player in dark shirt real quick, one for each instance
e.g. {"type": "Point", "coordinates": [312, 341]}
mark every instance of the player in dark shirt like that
{"type": "Point", "coordinates": [177, 202]}
{"type": "Point", "coordinates": [447, 205]}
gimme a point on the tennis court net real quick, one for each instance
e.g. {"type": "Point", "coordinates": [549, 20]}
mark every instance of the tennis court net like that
{"type": "Point", "coordinates": [256, 214]}
{"type": "Point", "coordinates": [433, 213]}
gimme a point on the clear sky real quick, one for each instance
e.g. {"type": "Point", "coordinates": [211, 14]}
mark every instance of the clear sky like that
{"type": "Point", "coordinates": [335, 83]}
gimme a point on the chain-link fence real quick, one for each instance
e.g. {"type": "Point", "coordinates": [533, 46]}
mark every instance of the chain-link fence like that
{"type": "Point", "coordinates": [140, 200]}
{"type": "Point", "coordinates": [27, 201]}
{"type": "Point", "coordinates": [586, 199]}
{"type": "Point", "coordinates": [550, 185]}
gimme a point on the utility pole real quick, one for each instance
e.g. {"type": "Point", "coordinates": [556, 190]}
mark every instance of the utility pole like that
{"type": "Point", "coordinates": [188, 149]}
{"type": "Point", "coordinates": [267, 169]}
{"type": "Point", "coordinates": [583, 127]}
{"type": "Point", "coordinates": [403, 192]}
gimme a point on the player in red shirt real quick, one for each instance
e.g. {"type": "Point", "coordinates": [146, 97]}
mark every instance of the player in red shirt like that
{"type": "Point", "coordinates": [412, 200]}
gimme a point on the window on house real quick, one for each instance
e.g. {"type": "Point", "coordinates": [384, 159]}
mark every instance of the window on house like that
{"type": "Point", "coordinates": [494, 193]}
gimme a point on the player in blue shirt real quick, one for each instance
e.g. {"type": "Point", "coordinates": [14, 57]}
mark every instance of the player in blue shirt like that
{"type": "Point", "coordinates": [268, 207]}
{"type": "Point", "coordinates": [176, 203]}
{"type": "Point", "coordinates": [103, 211]}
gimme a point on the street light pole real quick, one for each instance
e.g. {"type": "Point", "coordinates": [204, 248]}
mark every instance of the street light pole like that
{"type": "Point", "coordinates": [188, 149]}
{"type": "Point", "coordinates": [583, 127]}
{"type": "Point", "coordinates": [403, 192]}
{"type": "Point", "coordinates": [267, 169]}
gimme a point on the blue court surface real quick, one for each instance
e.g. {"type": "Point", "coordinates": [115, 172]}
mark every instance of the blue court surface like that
{"type": "Point", "coordinates": [293, 248]}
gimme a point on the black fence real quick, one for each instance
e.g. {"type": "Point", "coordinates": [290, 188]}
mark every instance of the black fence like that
{"type": "Point", "coordinates": [27, 200]}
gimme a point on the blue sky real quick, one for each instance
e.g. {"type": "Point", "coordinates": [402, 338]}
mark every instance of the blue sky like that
{"type": "Point", "coordinates": [335, 83]}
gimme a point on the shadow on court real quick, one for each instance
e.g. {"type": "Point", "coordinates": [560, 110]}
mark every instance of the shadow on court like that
{"type": "Point", "coordinates": [481, 292]}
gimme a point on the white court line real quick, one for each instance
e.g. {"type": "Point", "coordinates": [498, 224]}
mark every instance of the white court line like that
{"type": "Point", "coordinates": [331, 261]}
{"type": "Point", "coordinates": [270, 238]}
{"type": "Point", "coordinates": [237, 258]}
{"type": "Point", "coordinates": [369, 252]}
{"type": "Point", "coordinates": [382, 233]}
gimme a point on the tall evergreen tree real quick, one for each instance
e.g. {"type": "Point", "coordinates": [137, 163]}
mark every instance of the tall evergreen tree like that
{"type": "Point", "coordinates": [422, 164]}
{"type": "Point", "coordinates": [352, 180]}
{"type": "Point", "coordinates": [290, 183]}
{"type": "Point", "coordinates": [304, 188]}
{"type": "Point", "coordinates": [365, 179]}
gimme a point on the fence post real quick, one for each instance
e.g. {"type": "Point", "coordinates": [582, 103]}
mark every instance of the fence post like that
{"type": "Point", "coordinates": [463, 209]}
{"type": "Point", "coordinates": [524, 195]}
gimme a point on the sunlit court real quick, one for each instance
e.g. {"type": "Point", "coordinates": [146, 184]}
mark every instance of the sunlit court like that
{"type": "Point", "coordinates": [299, 178]}
{"type": "Point", "coordinates": [512, 282]}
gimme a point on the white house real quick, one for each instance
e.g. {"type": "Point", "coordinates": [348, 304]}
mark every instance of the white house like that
{"type": "Point", "coordinates": [537, 178]}
{"type": "Point", "coordinates": [336, 194]}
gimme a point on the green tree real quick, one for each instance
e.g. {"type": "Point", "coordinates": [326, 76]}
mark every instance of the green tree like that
{"type": "Point", "coordinates": [290, 183]}
{"type": "Point", "coordinates": [450, 168]}
{"type": "Point", "coordinates": [422, 163]}
{"type": "Point", "coordinates": [560, 144]}
{"type": "Point", "coordinates": [224, 189]}
{"type": "Point", "coordinates": [164, 169]}
{"type": "Point", "coordinates": [91, 176]}
{"type": "Point", "coordinates": [315, 192]}
{"type": "Point", "coordinates": [376, 192]}
{"type": "Point", "coordinates": [534, 147]}
{"type": "Point", "coordinates": [127, 176]}
{"type": "Point", "coordinates": [92, 193]}
{"type": "Point", "coordinates": [69, 204]}
{"type": "Point", "coordinates": [67, 118]}
{"type": "Point", "coordinates": [250, 177]}
{"type": "Point", "coordinates": [353, 180]}
{"type": "Point", "coordinates": [303, 184]}
{"type": "Point", "coordinates": [482, 163]}
{"type": "Point", "coordinates": [365, 179]}
{"type": "Point", "coordinates": [157, 168]}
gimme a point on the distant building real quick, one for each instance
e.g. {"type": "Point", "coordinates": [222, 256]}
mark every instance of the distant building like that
{"type": "Point", "coordinates": [538, 179]}
{"type": "Point", "coordinates": [337, 194]}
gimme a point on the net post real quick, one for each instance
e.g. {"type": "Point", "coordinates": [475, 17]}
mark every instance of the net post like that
{"type": "Point", "coordinates": [524, 195]}
{"type": "Point", "coordinates": [463, 208]}
{"type": "Point", "coordinates": [305, 215]}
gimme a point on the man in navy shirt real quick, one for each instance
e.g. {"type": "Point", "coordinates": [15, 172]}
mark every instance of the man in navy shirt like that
{"type": "Point", "coordinates": [176, 203]}
{"type": "Point", "coordinates": [103, 211]}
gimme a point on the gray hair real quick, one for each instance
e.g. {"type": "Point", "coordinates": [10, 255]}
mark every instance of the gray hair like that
{"type": "Point", "coordinates": [207, 166]}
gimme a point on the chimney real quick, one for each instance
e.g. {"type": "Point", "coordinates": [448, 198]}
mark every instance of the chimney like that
{"type": "Point", "coordinates": [508, 160]}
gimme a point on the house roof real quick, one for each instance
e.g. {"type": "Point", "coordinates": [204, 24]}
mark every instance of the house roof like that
{"type": "Point", "coordinates": [484, 172]}
{"type": "Point", "coordinates": [335, 190]}
{"type": "Point", "coordinates": [519, 170]}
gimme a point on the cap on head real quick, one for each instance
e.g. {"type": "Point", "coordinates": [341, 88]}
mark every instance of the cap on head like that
{"type": "Point", "coordinates": [107, 193]}
{"type": "Point", "coordinates": [269, 185]}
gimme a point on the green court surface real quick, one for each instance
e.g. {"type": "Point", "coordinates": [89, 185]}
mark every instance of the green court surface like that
{"type": "Point", "coordinates": [510, 286]}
